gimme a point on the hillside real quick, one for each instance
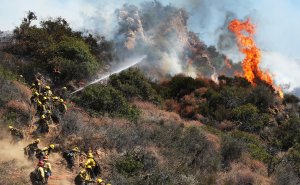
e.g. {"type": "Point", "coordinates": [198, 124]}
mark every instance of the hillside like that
{"type": "Point", "coordinates": [175, 130]}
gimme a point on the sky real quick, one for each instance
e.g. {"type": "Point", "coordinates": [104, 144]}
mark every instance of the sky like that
{"type": "Point", "coordinates": [277, 23]}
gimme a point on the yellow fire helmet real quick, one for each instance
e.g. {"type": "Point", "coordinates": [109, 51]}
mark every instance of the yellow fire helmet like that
{"type": "Point", "coordinates": [90, 155]}
{"type": "Point", "coordinates": [43, 117]}
{"type": "Point", "coordinates": [61, 100]}
{"type": "Point", "coordinates": [76, 149]}
{"type": "Point", "coordinates": [37, 140]}
{"type": "Point", "coordinates": [51, 146]}
{"type": "Point", "coordinates": [10, 127]}
{"type": "Point", "coordinates": [47, 87]}
{"type": "Point", "coordinates": [99, 180]}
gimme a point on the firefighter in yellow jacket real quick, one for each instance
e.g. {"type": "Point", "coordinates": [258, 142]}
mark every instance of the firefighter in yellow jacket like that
{"type": "Point", "coordinates": [90, 165]}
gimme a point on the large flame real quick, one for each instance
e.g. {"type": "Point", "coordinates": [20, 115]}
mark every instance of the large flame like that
{"type": "Point", "coordinates": [244, 32]}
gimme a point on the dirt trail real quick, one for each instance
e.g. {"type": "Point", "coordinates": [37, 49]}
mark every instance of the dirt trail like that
{"type": "Point", "coordinates": [60, 174]}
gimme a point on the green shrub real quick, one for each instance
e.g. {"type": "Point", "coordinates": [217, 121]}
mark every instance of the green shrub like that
{"type": "Point", "coordinates": [294, 158]}
{"type": "Point", "coordinates": [6, 74]}
{"type": "Point", "coordinates": [53, 45]}
{"type": "Point", "coordinates": [132, 83]}
{"type": "Point", "coordinates": [106, 99]}
{"type": "Point", "coordinates": [74, 59]}
{"type": "Point", "coordinates": [128, 165]}
{"type": "Point", "coordinates": [290, 98]}
{"type": "Point", "coordinates": [233, 97]}
{"type": "Point", "coordinates": [231, 149]}
{"type": "Point", "coordinates": [249, 118]}
{"type": "Point", "coordinates": [253, 145]}
{"type": "Point", "coordinates": [288, 133]}
{"type": "Point", "coordinates": [262, 97]}
{"type": "Point", "coordinates": [182, 85]}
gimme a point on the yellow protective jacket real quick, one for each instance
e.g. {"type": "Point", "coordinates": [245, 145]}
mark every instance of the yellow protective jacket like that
{"type": "Point", "coordinates": [85, 177]}
{"type": "Point", "coordinates": [41, 172]}
{"type": "Point", "coordinates": [47, 167]}
{"type": "Point", "coordinates": [90, 163]}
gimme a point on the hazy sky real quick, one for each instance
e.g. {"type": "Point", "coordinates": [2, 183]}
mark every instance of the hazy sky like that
{"type": "Point", "coordinates": [277, 21]}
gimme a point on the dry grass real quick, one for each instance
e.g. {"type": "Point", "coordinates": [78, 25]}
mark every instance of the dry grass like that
{"type": "Point", "coordinates": [215, 140]}
{"type": "Point", "coordinates": [153, 114]}
{"type": "Point", "coordinates": [245, 171]}
{"type": "Point", "coordinates": [26, 92]}
{"type": "Point", "coordinates": [20, 107]}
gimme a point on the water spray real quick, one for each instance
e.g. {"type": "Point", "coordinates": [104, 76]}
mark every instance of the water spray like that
{"type": "Point", "coordinates": [127, 65]}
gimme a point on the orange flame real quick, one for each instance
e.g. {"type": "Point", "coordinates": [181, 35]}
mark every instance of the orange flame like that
{"type": "Point", "coordinates": [244, 32]}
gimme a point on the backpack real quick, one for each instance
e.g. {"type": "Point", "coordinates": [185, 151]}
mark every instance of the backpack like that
{"type": "Point", "coordinates": [35, 176]}
{"type": "Point", "coordinates": [67, 154]}
{"type": "Point", "coordinates": [78, 180]}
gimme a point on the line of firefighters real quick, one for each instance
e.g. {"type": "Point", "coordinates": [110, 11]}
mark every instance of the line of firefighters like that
{"type": "Point", "coordinates": [49, 107]}
{"type": "Point", "coordinates": [88, 175]}
{"type": "Point", "coordinates": [45, 103]}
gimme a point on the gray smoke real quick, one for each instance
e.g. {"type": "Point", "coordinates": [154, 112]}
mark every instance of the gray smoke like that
{"type": "Point", "coordinates": [161, 32]}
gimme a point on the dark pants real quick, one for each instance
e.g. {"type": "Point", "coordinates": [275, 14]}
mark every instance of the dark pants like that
{"type": "Point", "coordinates": [91, 173]}
{"type": "Point", "coordinates": [70, 162]}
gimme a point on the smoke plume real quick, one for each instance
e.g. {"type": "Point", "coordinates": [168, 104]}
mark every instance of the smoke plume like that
{"type": "Point", "coordinates": [161, 33]}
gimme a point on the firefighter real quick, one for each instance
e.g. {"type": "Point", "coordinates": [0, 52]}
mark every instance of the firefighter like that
{"type": "Point", "coordinates": [47, 168]}
{"type": "Point", "coordinates": [47, 91]}
{"type": "Point", "coordinates": [45, 100]}
{"type": "Point", "coordinates": [100, 182]}
{"type": "Point", "coordinates": [70, 156]}
{"type": "Point", "coordinates": [33, 88]}
{"type": "Point", "coordinates": [62, 107]}
{"type": "Point", "coordinates": [83, 178]}
{"type": "Point", "coordinates": [90, 165]}
{"type": "Point", "coordinates": [37, 177]}
{"type": "Point", "coordinates": [34, 98]}
{"type": "Point", "coordinates": [41, 108]}
{"type": "Point", "coordinates": [64, 92]}
{"type": "Point", "coordinates": [43, 125]}
{"type": "Point", "coordinates": [48, 115]}
{"type": "Point", "coordinates": [31, 149]}
{"type": "Point", "coordinates": [16, 134]}
{"type": "Point", "coordinates": [38, 83]}
{"type": "Point", "coordinates": [41, 153]}
{"type": "Point", "coordinates": [48, 150]}
{"type": "Point", "coordinates": [55, 99]}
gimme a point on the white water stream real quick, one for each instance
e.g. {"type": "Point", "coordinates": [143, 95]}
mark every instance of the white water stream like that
{"type": "Point", "coordinates": [127, 64]}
